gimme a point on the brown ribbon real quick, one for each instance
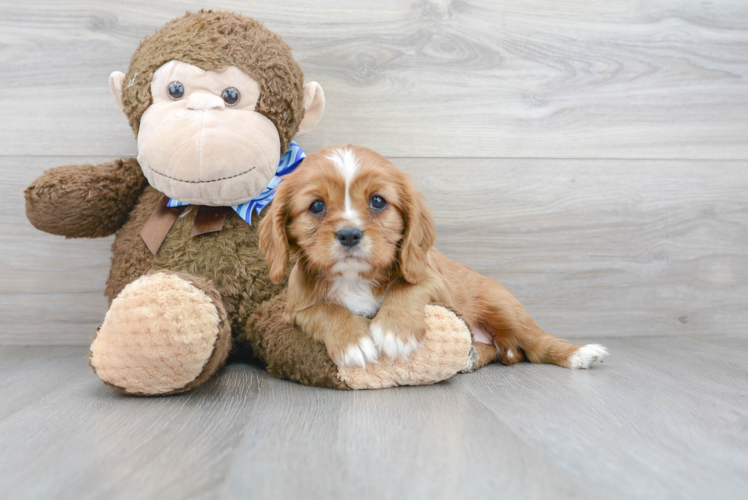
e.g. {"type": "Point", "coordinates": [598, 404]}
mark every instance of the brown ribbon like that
{"type": "Point", "coordinates": [207, 220]}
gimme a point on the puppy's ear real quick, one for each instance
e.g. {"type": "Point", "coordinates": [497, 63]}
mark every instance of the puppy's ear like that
{"type": "Point", "coordinates": [420, 233]}
{"type": "Point", "coordinates": [273, 237]}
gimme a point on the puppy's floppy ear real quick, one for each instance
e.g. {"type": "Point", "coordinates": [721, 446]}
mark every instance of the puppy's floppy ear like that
{"type": "Point", "coordinates": [420, 233]}
{"type": "Point", "coordinates": [273, 237]}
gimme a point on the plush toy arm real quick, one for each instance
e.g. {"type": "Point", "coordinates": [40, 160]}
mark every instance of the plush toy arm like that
{"type": "Point", "coordinates": [85, 201]}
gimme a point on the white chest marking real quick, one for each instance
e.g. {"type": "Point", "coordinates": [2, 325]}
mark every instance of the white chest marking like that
{"type": "Point", "coordinates": [347, 163]}
{"type": "Point", "coordinates": [354, 292]}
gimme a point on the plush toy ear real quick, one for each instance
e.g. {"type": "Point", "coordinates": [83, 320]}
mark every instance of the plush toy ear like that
{"type": "Point", "coordinates": [116, 81]}
{"type": "Point", "coordinates": [273, 238]}
{"type": "Point", "coordinates": [420, 234]}
{"type": "Point", "coordinates": [314, 106]}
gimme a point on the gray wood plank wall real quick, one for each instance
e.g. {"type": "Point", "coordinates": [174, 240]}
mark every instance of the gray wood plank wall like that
{"type": "Point", "coordinates": [591, 156]}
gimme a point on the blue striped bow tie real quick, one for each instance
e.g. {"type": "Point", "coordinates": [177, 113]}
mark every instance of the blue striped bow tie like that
{"type": "Point", "coordinates": [288, 163]}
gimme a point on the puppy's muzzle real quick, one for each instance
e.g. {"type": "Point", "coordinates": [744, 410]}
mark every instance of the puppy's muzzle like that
{"type": "Point", "coordinates": [349, 236]}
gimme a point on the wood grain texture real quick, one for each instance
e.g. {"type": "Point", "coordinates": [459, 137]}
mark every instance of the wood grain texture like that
{"type": "Point", "coordinates": [661, 418]}
{"type": "Point", "coordinates": [51, 288]}
{"type": "Point", "coordinates": [592, 248]}
{"type": "Point", "coordinates": [434, 78]}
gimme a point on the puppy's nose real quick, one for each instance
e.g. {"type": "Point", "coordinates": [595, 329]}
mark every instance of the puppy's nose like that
{"type": "Point", "coordinates": [349, 236]}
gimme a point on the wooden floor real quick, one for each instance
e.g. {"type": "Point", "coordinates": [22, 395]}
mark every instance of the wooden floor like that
{"type": "Point", "coordinates": [661, 418]}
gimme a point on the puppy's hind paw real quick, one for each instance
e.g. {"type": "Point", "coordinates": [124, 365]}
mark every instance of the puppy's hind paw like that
{"type": "Point", "coordinates": [585, 355]}
{"type": "Point", "coordinates": [391, 344]}
{"type": "Point", "coordinates": [358, 354]}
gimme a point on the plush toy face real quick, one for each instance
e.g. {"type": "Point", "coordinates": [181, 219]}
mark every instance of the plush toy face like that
{"type": "Point", "coordinates": [214, 99]}
{"type": "Point", "coordinates": [202, 141]}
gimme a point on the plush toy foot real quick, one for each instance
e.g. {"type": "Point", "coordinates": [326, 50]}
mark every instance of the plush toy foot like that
{"type": "Point", "coordinates": [164, 333]}
{"type": "Point", "coordinates": [446, 350]}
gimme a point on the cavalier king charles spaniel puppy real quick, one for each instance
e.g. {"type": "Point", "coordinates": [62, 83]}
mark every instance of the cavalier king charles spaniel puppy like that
{"type": "Point", "coordinates": [366, 267]}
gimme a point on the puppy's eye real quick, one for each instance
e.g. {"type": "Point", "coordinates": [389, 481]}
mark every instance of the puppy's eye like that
{"type": "Point", "coordinates": [230, 96]}
{"type": "Point", "coordinates": [176, 90]}
{"type": "Point", "coordinates": [317, 208]}
{"type": "Point", "coordinates": [377, 202]}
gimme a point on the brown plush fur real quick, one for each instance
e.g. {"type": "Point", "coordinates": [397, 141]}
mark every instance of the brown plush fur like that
{"type": "Point", "coordinates": [85, 201]}
{"type": "Point", "coordinates": [213, 41]}
{"type": "Point", "coordinates": [229, 258]}
{"type": "Point", "coordinates": [288, 352]}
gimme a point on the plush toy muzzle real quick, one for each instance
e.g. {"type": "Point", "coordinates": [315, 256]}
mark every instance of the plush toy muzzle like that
{"type": "Point", "coordinates": [202, 140]}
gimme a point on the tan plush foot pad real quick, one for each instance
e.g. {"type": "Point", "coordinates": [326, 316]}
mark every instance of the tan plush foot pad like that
{"type": "Point", "coordinates": [156, 338]}
{"type": "Point", "coordinates": [445, 351]}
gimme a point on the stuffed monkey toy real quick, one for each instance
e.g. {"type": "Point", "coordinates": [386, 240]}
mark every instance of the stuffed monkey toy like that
{"type": "Point", "coordinates": [215, 100]}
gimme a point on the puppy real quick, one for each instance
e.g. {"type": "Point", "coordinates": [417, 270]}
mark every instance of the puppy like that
{"type": "Point", "coordinates": [364, 238]}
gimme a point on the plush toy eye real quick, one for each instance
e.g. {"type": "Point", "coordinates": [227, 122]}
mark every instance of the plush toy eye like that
{"type": "Point", "coordinates": [377, 202]}
{"type": "Point", "coordinates": [318, 207]}
{"type": "Point", "coordinates": [176, 90]}
{"type": "Point", "coordinates": [230, 96]}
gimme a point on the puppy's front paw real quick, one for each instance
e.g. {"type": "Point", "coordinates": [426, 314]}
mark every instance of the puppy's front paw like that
{"type": "Point", "coordinates": [355, 354]}
{"type": "Point", "coordinates": [395, 343]}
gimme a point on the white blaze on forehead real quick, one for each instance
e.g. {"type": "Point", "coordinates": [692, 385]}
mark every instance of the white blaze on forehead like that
{"type": "Point", "coordinates": [347, 163]}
